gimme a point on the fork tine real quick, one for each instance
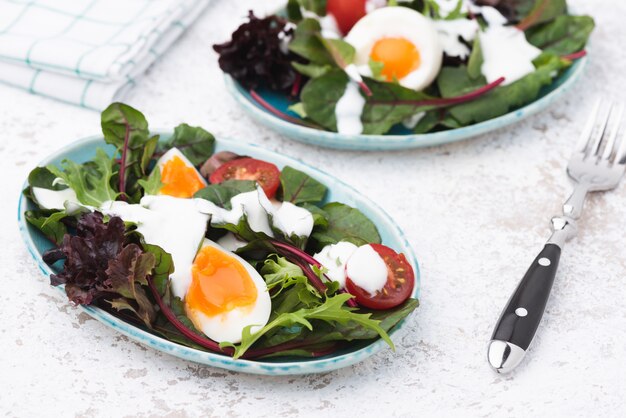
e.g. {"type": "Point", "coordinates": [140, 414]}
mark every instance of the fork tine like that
{"type": "Point", "coordinates": [588, 129]}
{"type": "Point", "coordinates": [585, 136]}
{"type": "Point", "coordinates": [616, 118]}
{"type": "Point", "coordinates": [620, 155]}
{"type": "Point", "coordinates": [600, 133]}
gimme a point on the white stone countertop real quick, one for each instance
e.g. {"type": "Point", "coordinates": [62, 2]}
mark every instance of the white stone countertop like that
{"type": "Point", "coordinates": [475, 212]}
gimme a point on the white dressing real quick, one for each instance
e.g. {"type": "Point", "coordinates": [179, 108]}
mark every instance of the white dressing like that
{"type": "Point", "coordinates": [334, 257]}
{"type": "Point", "coordinates": [367, 269]}
{"type": "Point", "coordinates": [349, 109]}
{"type": "Point", "coordinates": [53, 199]}
{"type": "Point", "coordinates": [506, 52]}
{"type": "Point", "coordinates": [253, 204]}
{"type": "Point", "coordinates": [412, 121]}
{"type": "Point", "coordinates": [449, 32]}
{"type": "Point", "coordinates": [293, 220]}
{"type": "Point", "coordinates": [230, 242]}
{"type": "Point", "coordinates": [173, 224]}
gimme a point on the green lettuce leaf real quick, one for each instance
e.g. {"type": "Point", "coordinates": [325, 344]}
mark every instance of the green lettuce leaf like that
{"type": "Point", "coordinates": [350, 331]}
{"type": "Point", "coordinates": [90, 181]}
{"type": "Point", "coordinates": [43, 178]}
{"type": "Point", "coordinates": [49, 223]}
{"type": "Point", "coordinates": [333, 311]}
{"type": "Point", "coordinates": [152, 184]}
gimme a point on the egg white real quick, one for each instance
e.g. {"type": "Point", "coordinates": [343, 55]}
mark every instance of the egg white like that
{"type": "Point", "coordinates": [399, 22]}
{"type": "Point", "coordinates": [228, 326]}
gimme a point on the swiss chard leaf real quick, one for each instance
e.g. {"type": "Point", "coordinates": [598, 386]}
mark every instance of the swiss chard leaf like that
{"type": "Point", "coordinates": [475, 62]}
{"type": "Point", "coordinates": [163, 266]}
{"type": "Point", "coordinates": [564, 35]}
{"type": "Point", "coordinates": [436, 118]}
{"type": "Point", "coordinates": [127, 129]}
{"type": "Point", "coordinates": [90, 181]}
{"type": "Point", "coordinates": [454, 81]}
{"type": "Point", "coordinates": [316, 6]}
{"type": "Point", "coordinates": [388, 105]}
{"type": "Point", "coordinates": [543, 11]}
{"type": "Point", "coordinates": [307, 43]}
{"type": "Point", "coordinates": [320, 217]}
{"type": "Point", "coordinates": [195, 143]}
{"type": "Point", "coordinates": [299, 187]}
{"type": "Point", "coordinates": [49, 223]}
{"type": "Point", "coordinates": [341, 52]}
{"type": "Point", "coordinates": [312, 70]}
{"type": "Point", "coordinates": [512, 10]}
{"type": "Point", "coordinates": [346, 223]}
{"type": "Point", "coordinates": [221, 193]}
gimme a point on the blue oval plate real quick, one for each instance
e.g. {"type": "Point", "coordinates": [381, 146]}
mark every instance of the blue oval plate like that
{"type": "Point", "coordinates": [399, 141]}
{"type": "Point", "coordinates": [85, 149]}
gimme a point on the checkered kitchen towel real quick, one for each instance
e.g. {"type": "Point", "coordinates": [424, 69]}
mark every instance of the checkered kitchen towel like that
{"type": "Point", "coordinates": [87, 52]}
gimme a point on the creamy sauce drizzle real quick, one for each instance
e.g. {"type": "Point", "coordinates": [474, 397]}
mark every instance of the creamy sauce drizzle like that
{"type": "Point", "coordinates": [173, 224]}
{"type": "Point", "coordinates": [449, 32]}
{"type": "Point", "coordinates": [53, 199]}
{"type": "Point", "coordinates": [334, 257]}
{"type": "Point", "coordinates": [367, 269]}
{"type": "Point", "coordinates": [349, 109]}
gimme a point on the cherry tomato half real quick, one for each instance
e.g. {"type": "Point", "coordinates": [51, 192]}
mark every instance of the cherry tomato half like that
{"type": "Point", "coordinates": [264, 173]}
{"type": "Point", "coordinates": [399, 286]}
{"type": "Point", "coordinates": [346, 12]}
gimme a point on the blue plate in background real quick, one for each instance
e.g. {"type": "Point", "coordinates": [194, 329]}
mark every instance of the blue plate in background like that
{"type": "Point", "coordinates": [395, 141]}
{"type": "Point", "coordinates": [391, 235]}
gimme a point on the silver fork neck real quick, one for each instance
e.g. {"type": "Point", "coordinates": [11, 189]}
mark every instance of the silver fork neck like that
{"type": "Point", "coordinates": [564, 227]}
{"type": "Point", "coordinates": [573, 207]}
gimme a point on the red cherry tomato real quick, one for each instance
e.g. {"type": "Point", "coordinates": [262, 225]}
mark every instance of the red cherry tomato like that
{"type": "Point", "coordinates": [399, 286]}
{"type": "Point", "coordinates": [265, 174]}
{"type": "Point", "coordinates": [346, 12]}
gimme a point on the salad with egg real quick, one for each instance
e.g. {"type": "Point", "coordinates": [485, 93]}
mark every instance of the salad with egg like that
{"type": "Point", "coordinates": [412, 66]}
{"type": "Point", "coordinates": [214, 250]}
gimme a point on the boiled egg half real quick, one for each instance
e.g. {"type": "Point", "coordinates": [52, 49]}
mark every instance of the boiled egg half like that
{"type": "Point", "coordinates": [178, 175]}
{"type": "Point", "coordinates": [403, 40]}
{"type": "Point", "coordinates": [226, 295]}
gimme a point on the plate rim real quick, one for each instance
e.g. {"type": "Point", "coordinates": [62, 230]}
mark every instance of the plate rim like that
{"type": "Point", "coordinates": [399, 142]}
{"type": "Point", "coordinates": [212, 359]}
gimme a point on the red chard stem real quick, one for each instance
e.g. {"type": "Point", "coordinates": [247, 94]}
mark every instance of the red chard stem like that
{"type": "Point", "coordinates": [575, 55]}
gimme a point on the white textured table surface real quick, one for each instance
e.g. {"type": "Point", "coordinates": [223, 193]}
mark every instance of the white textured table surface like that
{"type": "Point", "coordinates": [476, 213]}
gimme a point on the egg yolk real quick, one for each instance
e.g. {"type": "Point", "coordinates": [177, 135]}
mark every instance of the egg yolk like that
{"type": "Point", "coordinates": [399, 57]}
{"type": "Point", "coordinates": [220, 283]}
{"type": "Point", "coordinates": [180, 180]}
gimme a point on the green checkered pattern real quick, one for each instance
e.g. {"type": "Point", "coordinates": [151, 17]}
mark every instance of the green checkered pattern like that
{"type": "Point", "coordinates": [87, 52]}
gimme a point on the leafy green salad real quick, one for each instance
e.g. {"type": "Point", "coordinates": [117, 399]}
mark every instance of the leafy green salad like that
{"type": "Point", "coordinates": [213, 250]}
{"type": "Point", "coordinates": [416, 66]}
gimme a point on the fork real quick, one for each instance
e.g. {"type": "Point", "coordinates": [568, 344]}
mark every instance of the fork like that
{"type": "Point", "coordinates": [598, 164]}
